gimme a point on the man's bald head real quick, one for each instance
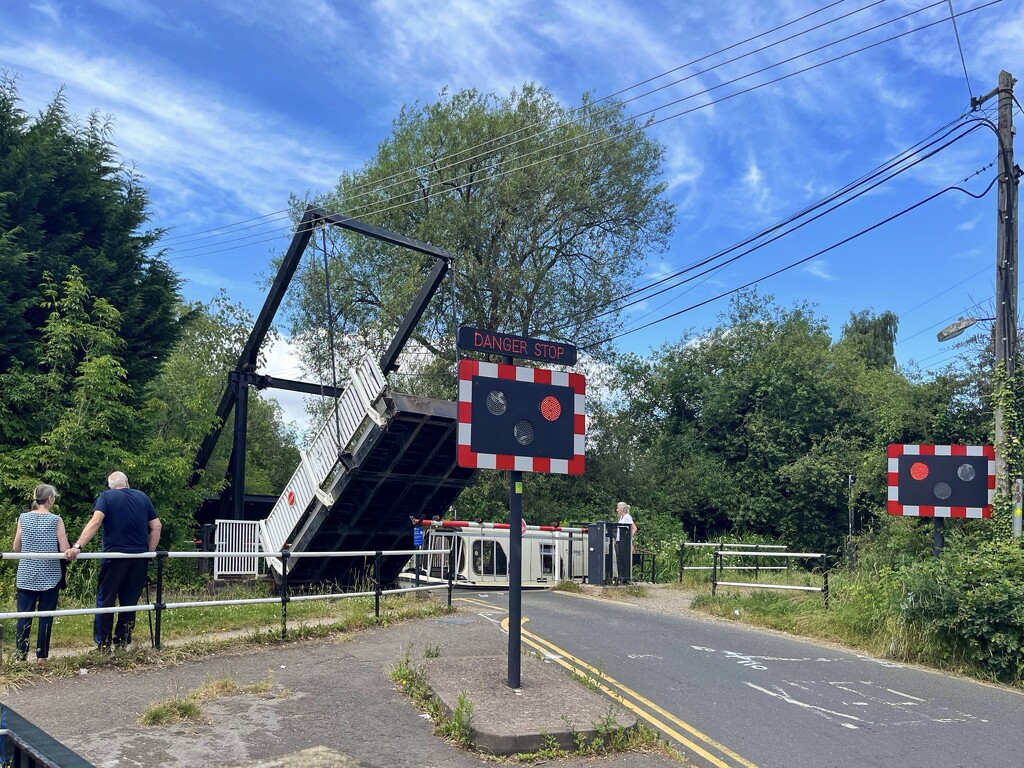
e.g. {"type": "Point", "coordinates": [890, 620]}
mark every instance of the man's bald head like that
{"type": "Point", "coordinates": [117, 480]}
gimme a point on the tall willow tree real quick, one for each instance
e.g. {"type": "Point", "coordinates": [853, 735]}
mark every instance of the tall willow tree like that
{"type": "Point", "coordinates": [549, 212]}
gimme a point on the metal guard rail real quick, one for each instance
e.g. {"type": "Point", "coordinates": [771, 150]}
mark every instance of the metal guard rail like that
{"type": "Point", "coordinates": [719, 554]}
{"type": "Point", "coordinates": [722, 545]}
{"type": "Point", "coordinates": [159, 606]}
{"type": "Point", "coordinates": [25, 745]}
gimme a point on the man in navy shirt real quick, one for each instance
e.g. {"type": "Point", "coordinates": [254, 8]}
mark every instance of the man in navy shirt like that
{"type": "Point", "coordinates": [130, 524]}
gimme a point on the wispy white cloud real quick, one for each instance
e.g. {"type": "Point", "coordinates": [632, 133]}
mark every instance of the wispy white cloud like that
{"type": "Point", "coordinates": [159, 15]}
{"type": "Point", "coordinates": [283, 360]}
{"type": "Point", "coordinates": [819, 268]}
{"type": "Point", "coordinates": [48, 9]}
{"type": "Point", "coordinates": [969, 224]}
{"type": "Point", "coordinates": [189, 138]}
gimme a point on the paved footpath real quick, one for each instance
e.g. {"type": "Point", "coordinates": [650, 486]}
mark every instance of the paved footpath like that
{"type": "Point", "coordinates": [331, 703]}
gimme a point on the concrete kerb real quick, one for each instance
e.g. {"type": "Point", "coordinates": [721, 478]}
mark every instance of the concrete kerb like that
{"type": "Point", "coordinates": [550, 709]}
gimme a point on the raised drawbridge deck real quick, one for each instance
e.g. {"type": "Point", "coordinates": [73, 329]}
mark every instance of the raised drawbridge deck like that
{"type": "Point", "coordinates": [380, 458]}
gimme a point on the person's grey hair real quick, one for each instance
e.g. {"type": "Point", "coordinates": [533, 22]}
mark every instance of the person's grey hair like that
{"type": "Point", "coordinates": [117, 480]}
{"type": "Point", "coordinates": [42, 494]}
{"type": "Point", "coordinates": [623, 506]}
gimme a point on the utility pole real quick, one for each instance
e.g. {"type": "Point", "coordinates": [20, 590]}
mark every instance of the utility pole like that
{"type": "Point", "coordinates": [1006, 262]}
{"type": "Point", "coordinates": [1009, 179]}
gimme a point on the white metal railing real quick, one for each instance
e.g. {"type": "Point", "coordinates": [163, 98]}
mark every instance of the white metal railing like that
{"type": "Point", "coordinates": [727, 547]}
{"type": "Point", "coordinates": [720, 554]}
{"type": "Point", "coordinates": [159, 605]}
{"type": "Point", "coordinates": [353, 412]}
{"type": "Point", "coordinates": [232, 536]}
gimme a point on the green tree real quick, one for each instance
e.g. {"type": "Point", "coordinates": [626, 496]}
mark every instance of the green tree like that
{"type": "Point", "coordinates": [77, 399]}
{"type": "Point", "coordinates": [872, 337]}
{"type": "Point", "coordinates": [184, 397]}
{"type": "Point", "coordinates": [756, 425]}
{"type": "Point", "coordinates": [68, 201]}
{"type": "Point", "coordinates": [549, 214]}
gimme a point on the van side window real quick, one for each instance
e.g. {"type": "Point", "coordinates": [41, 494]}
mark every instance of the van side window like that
{"type": "Point", "coordinates": [489, 559]}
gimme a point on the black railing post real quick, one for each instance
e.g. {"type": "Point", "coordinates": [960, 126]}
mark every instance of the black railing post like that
{"type": "Point", "coordinates": [824, 589]}
{"type": "Point", "coordinates": [285, 554]}
{"type": "Point", "coordinates": [714, 571]}
{"type": "Point", "coordinates": [160, 557]}
{"type": "Point", "coordinates": [451, 574]}
{"type": "Point", "coordinates": [682, 560]}
{"type": "Point", "coordinates": [654, 569]}
{"type": "Point", "coordinates": [376, 584]}
{"type": "Point", "coordinates": [757, 562]}
{"type": "Point", "coordinates": [570, 555]}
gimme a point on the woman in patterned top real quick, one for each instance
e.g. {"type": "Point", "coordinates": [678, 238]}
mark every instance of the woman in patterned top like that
{"type": "Point", "coordinates": [39, 530]}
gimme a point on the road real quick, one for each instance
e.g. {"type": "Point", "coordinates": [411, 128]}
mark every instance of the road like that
{"type": "Point", "coordinates": [732, 696]}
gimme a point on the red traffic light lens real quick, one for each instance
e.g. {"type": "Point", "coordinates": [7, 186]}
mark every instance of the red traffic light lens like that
{"type": "Point", "coordinates": [550, 408]}
{"type": "Point", "coordinates": [919, 470]}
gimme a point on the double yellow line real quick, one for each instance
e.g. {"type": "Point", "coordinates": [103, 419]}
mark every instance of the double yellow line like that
{"type": "Point", "coordinates": [694, 740]}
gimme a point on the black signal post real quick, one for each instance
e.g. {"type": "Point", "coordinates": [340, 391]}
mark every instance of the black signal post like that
{"type": "Point", "coordinates": [516, 418]}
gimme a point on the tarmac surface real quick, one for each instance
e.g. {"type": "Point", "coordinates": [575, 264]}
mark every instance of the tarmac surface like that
{"type": "Point", "coordinates": [331, 703]}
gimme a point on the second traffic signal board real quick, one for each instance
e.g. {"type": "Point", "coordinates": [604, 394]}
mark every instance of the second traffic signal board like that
{"type": "Point", "coordinates": [941, 480]}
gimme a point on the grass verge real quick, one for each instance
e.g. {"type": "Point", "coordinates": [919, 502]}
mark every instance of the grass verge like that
{"type": "Point", "coordinates": [206, 640]}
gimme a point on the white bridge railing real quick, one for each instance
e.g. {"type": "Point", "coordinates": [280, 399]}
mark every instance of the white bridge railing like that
{"type": "Point", "coordinates": [232, 537]}
{"type": "Point", "coordinates": [354, 412]}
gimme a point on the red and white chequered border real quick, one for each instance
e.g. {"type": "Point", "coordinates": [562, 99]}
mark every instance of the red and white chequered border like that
{"type": "Point", "coordinates": [896, 450]}
{"type": "Point", "coordinates": [468, 458]}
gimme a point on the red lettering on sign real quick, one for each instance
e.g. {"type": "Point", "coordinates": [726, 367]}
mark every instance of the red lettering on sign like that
{"type": "Point", "coordinates": [548, 351]}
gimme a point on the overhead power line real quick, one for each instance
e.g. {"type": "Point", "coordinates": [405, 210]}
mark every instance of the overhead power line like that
{"type": "Point", "coordinates": [851, 192]}
{"type": "Point", "coordinates": [456, 182]}
{"type": "Point", "coordinates": [959, 47]}
{"type": "Point", "coordinates": [798, 262]}
{"type": "Point", "coordinates": [465, 154]}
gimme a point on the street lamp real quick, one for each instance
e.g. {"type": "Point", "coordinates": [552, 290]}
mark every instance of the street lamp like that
{"type": "Point", "coordinates": [953, 330]}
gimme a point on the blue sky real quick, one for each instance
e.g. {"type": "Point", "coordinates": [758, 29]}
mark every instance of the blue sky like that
{"type": "Point", "coordinates": [228, 107]}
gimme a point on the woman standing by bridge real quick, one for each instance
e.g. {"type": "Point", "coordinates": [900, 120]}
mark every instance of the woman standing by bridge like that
{"type": "Point", "coordinates": [39, 530]}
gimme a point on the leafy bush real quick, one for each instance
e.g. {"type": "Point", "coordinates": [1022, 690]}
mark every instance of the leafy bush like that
{"type": "Point", "coordinates": [972, 600]}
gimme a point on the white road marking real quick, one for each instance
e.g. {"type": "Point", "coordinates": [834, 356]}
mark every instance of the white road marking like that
{"type": "Point", "coordinates": [790, 700]}
{"type": "Point", "coordinates": [905, 695]}
{"type": "Point", "coordinates": [745, 660]}
{"type": "Point", "coordinates": [881, 662]}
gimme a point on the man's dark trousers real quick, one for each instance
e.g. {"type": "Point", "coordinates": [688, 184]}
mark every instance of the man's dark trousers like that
{"type": "Point", "coordinates": [121, 582]}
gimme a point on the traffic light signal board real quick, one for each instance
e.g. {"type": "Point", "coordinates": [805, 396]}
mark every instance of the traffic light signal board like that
{"type": "Point", "coordinates": [516, 418]}
{"type": "Point", "coordinates": [942, 480]}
